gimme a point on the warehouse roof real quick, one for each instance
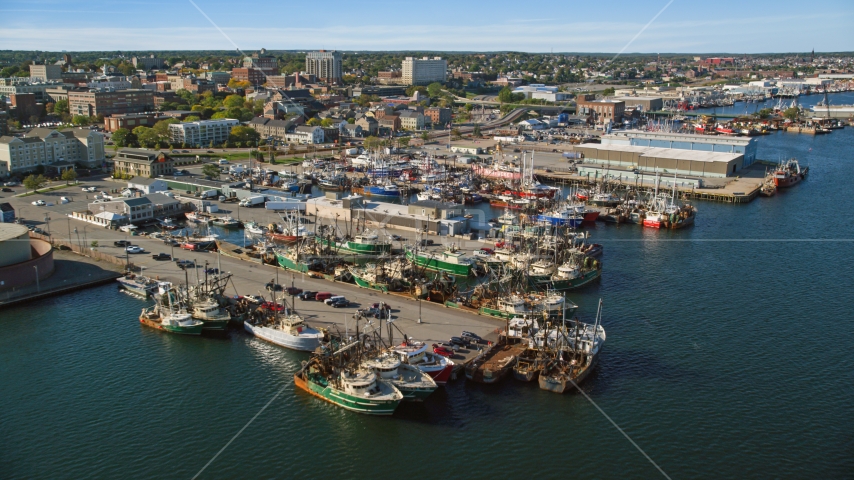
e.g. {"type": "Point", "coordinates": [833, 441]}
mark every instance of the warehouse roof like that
{"type": "Point", "coordinates": [674, 153]}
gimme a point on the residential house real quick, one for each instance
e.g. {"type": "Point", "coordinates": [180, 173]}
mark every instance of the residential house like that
{"type": "Point", "coordinates": [369, 125]}
{"type": "Point", "coordinates": [305, 134]}
{"type": "Point", "coordinates": [411, 120]}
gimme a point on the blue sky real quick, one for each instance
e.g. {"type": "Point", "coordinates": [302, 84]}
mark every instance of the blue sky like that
{"type": "Point", "coordinates": [685, 26]}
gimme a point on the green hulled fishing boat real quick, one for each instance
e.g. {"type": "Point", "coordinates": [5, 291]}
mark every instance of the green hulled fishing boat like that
{"type": "Point", "coordinates": [573, 274]}
{"type": "Point", "coordinates": [449, 261]}
{"type": "Point", "coordinates": [359, 390]}
{"type": "Point", "coordinates": [359, 245]}
{"type": "Point", "coordinates": [290, 260]}
{"type": "Point", "coordinates": [214, 318]}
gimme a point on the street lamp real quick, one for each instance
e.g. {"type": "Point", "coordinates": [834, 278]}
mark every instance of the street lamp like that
{"type": "Point", "coordinates": [419, 309]}
{"type": "Point", "coordinates": [38, 287]}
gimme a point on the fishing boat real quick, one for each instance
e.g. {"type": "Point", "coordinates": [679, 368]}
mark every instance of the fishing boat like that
{"type": "Point", "coordinates": [418, 355]}
{"type": "Point", "coordinates": [789, 174]}
{"type": "Point", "coordinates": [561, 217]}
{"type": "Point", "coordinates": [572, 355]}
{"type": "Point", "coordinates": [169, 320]}
{"type": "Point", "coordinates": [365, 244]}
{"type": "Point", "coordinates": [425, 195]}
{"type": "Point", "coordinates": [200, 243]}
{"type": "Point", "coordinates": [507, 307]}
{"type": "Point", "coordinates": [214, 318]}
{"type": "Point", "coordinates": [291, 230]}
{"type": "Point", "coordinates": [387, 189]}
{"type": "Point", "coordinates": [226, 222]}
{"type": "Point", "coordinates": [254, 228]}
{"type": "Point", "coordinates": [168, 224]}
{"type": "Point", "coordinates": [605, 200]}
{"type": "Point", "coordinates": [289, 331]}
{"type": "Point", "coordinates": [137, 285]}
{"type": "Point", "coordinates": [449, 261]}
{"type": "Point", "coordinates": [528, 365]}
{"type": "Point", "coordinates": [291, 260]}
{"type": "Point", "coordinates": [493, 364]}
{"type": "Point", "coordinates": [412, 383]}
{"type": "Point", "coordinates": [358, 390]}
{"type": "Point", "coordinates": [195, 217]}
{"type": "Point", "coordinates": [578, 271]}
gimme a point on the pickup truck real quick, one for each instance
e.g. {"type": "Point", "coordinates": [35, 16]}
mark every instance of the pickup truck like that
{"type": "Point", "coordinates": [161, 256]}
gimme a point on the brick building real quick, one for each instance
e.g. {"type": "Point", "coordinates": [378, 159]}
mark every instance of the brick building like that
{"type": "Point", "coordinates": [251, 75]}
{"type": "Point", "coordinates": [144, 163]}
{"type": "Point", "coordinates": [438, 116]}
{"type": "Point", "coordinates": [109, 103]}
{"type": "Point", "coordinates": [604, 111]}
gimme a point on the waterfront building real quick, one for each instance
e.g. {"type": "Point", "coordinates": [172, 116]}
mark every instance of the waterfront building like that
{"type": "Point", "coordinates": [647, 104]}
{"type": "Point", "coordinates": [23, 259]}
{"type": "Point", "coordinates": [325, 65]}
{"type": "Point", "coordinates": [745, 146]}
{"type": "Point", "coordinates": [606, 110]}
{"type": "Point", "coordinates": [202, 132]}
{"type": "Point", "coordinates": [423, 71]}
{"type": "Point", "coordinates": [629, 162]}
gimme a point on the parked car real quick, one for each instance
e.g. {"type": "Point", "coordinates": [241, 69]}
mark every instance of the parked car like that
{"type": "Point", "coordinates": [443, 351]}
{"type": "Point", "coordinates": [212, 271]}
{"type": "Point", "coordinates": [488, 250]}
{"type": "Point", "coordinates": [7, 189]}
{"type": "Point", "coordinates": [470, 337]}
{"type": "Point", "coordinates": [458, 341]}
{"type": "Point", "coordinates": [39, 203]}
{"type": "Point", "coordinates": [293, 290]}
{"type": "Point", "coordinates": [162, 256]}
{"type": "Point", "coordinates": [121, 243]}
{"type": "Point", "coordinates": [273, 287]}
{"type": "Point", "coordinates": [333, 299]}
{"type": "Point", "coordinates": [427, 242]}
{"type": "Point", "coordinates": [134, 249]}
{"type": "Point", "coordinates": [307, 295]}
{"type": "Point", "coordinates": [169, 241]}
{"type": "Point", "coordinates": [321, 296]}
{"type": "Point", "coordinates": [341, 303]}
{"type": "Point", "coordinates": [275, 307]}
{"type": "Point", "coordinates": [185, 263]}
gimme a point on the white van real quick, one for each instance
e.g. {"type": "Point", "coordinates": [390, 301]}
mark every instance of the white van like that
{"type": "Point", "coordinates": [223, 161]}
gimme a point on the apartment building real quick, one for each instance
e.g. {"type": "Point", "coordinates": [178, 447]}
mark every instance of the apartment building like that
{"type": "Point", "coordinates": [130, 121]}
{"type": "Point", "coordinates": [94, 103]}
{"type": "Point", "coordinates": [411, 120]}
{"type": "Point", "coordinates": [46, 147]}
{"type": "Point", "coordinates": [325, 65]}
{"type": "Point", "coordinates": [267, 64]}
{"type": "Point", "coordinates": [148, 63]}
{"type": "Point", "coordinates": [305, 134]}
{"type": "Point", "coordinates": [45, 73]}
{"type": "Point", "coordinates": [272, 129]}
{"type": "Point", "coordinates": [423, 71]}
{"type": "Point", "coordinates": [203, 132]}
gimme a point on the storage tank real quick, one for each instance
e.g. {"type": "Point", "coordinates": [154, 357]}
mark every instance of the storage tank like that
{"type": "Point", "coordinates": [14, 244]}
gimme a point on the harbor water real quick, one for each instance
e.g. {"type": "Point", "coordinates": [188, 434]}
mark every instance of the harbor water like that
{"type": "Point", "coordinates": [728, 356]}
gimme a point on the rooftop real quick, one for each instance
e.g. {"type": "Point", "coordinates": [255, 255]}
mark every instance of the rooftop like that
{"type": "Point", "coordinates": [673, 153]}
{"type": "Point", "coordinates": [9, 231]}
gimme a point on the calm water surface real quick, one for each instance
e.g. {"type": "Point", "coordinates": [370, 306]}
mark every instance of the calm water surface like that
{"type": "Point", "coordinates": [728, 356]}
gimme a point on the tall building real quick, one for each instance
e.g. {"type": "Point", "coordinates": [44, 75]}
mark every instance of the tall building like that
{"type": "Point", "coordinates": [324, 65]}
{"type": "Point", "coordinates": [148, 63]}
{"type": "Point", "coordinates": [203, 132]}
{"type": "Point", "coordinates": [46, 147]}
{"type": "Point", "coordinates": [424, 70]}
{"type": "Point", "coordinates": [268, 64]}
{"type": "Point", "coordinates": [108, 103]}
{"type": "Point", "coordinates": [45, 73]}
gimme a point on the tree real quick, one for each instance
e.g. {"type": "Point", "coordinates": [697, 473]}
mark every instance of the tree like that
{"type": "Point", "coordinates": [505, 95]}
{"type": "Point", "coordinates": [455, 134]}
{"type": "Point", "coordinates": [403, 142]}
{"type": "Point", "coordinates": [146, 137]}
{"type": "Point", "coordinates": [792, 113]}
{"type": "Point", "coordinates": [372, 143]}
{"type": "Point", "coordinates": [245, 135]}
{"type": "Point", "coordinates": [211, 170]}
{"type": "Point", "coordinates": [425, 136]}
{"type": "Point", "coordinates": [411, 90]}
{"type": "Point", "coordinates": [124, 138]}
{"type": "Point", "coordinates": [476, 131]}
{"type": "Point", "coordinates": [434, 89]}
{"type": "Point", "coordinates": [80, 120]}
{"type": "Point", "coordinates": [191, 118]}
{"type": "Point", "coordinates": [351, 121]}
{"type": "Point", "coordinates": [69, 175]}
{"type": "Point", "coordinates": [49, 106]}
{"type": "Point", "coordinates": [233, 101]}
{"type": "Point", "coordinates": [764, 113]}
{"type": "Point", "coordinates": [326, 123]}
{"type": "Point", "coordinates": [313, 122]}
{"type": "Point", "coordinates": [162, 127]}
{"type": "Point", "coordinates": [33, 182]}
{"type": "Point", "coordinates": [608, 92]}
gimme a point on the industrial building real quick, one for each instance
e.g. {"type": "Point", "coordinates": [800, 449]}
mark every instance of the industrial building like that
{"type": "Point", "coordinates": [629, 162]}
{"type": "Point", "coordinates": [745, 146]}
{"type": "Point", "coordinates": [647, 104]}
{"type": "Point", "coordinates": [542, 92]}
{"type": "Point", "coordinates": [23, 260]}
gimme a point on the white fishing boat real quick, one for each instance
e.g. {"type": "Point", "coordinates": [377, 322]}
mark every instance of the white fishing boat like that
{"type": "Point", "coordinates": [289, 331]}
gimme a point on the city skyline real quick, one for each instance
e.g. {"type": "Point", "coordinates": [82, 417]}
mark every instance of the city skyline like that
{"type": "Point", "coordinates": [680, 28]}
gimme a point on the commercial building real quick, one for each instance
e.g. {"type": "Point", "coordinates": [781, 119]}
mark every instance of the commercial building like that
{"type": "Point", "coordinates": [13, 86]}
{"type": "Point", "coordinates": [267, 64]}
{"type": "Point", "coordinates": [52, 148]}
{"type": "Point", "coordinates": [251, 75]}
{"type": "Point", "coordinates": [422, 71]}
{"type": "Point", "coordinates": [148, 63]}
{"type": "Point", "coordinates": [142, 163]}
{"type": "Point", "coordinates": [45, 73]}
{"type": "Point", "coordinates": [630, 162]}
{"type": "Point", "coordinates": [325, 65]}
{"type": "Point", "coordinates": [110, 82]}
{"type": "Point", "coordinates": [438, 115]}
{"type": "Point", "coordinates": [745, 146]}
{"type": "Point", "coordinates": [130, 121]}
{"type": "Point", "coordinates": [203, 132]}
{"type": "Point", "coordinates": [305, 134]}
{"type": "Point", "coordinates": [604, 111]}
{"type": "Point", "coordinates": [219, 78]}
{"type": "Point", "coordinates": [542, 92]}
{"type": "Point", "coordinates": [105, 103]}
{"type": "Point", "coordinates": [272, 129]}
{"type": "Point", "coordinates": [647, 104]}
{"type": "Point", "coordinates": [148, 185]}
